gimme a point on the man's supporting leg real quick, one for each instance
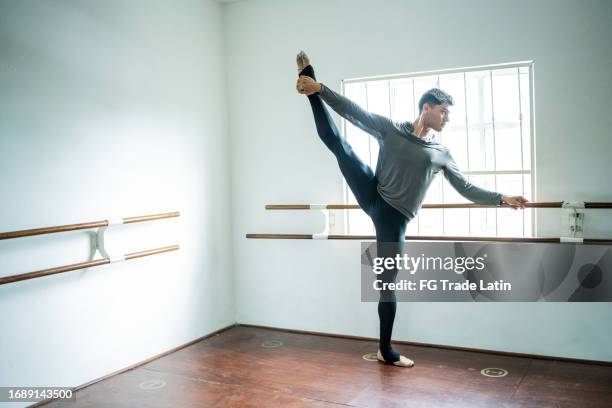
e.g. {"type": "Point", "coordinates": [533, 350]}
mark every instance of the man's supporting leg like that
{"type": "Point", "coordinates": [390, 235]}
{"type": "Point", "coordinates": [359, 176]}
{"type": "Point", "coordinates": [387, 307]}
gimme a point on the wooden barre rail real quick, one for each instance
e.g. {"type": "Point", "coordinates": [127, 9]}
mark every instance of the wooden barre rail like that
{"type": "Point", "coordinates": [81, 226]}
{"type": "Point", "coordinates": [82, 265]}
{"type": "Point", "coordinates": [593, 241]}
{"type": "Point", "coordinates": [552, 204]}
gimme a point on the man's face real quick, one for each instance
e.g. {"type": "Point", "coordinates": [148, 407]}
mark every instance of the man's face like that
{"type": "Point", "coordinates": [436, 116]}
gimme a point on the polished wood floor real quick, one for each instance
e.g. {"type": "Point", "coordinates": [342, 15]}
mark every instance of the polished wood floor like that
{"type": "Point", "coordinates": [241, 368]}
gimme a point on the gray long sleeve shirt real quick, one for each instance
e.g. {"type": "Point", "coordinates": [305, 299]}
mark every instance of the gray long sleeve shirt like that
{"type": "Point", "coordinates": [406, 164]}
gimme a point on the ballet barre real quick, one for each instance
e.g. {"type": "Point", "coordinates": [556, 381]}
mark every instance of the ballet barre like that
{"type": "Point", "coordinates": [552, 204]}
{"type": "Point", "coordinates": [85, 225]}
{"type": "Point", "coordinates": [593, 241]}
{"type": "Point", "coordinates": [83, 265]}
{"type": "Point", "coordinates": [575, 225]}
{"type": "Point", "coordinates": [102, 226]}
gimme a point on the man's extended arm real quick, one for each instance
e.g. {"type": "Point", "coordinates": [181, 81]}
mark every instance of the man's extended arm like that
{"type": "Point", "coordinates": [476, 194]}
{"type": "Point", "coordinates": [372, 123]}
{"type": "Point", "coordinates": [465, 188]}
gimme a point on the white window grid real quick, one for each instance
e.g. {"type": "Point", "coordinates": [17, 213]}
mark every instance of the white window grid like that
{"type": "Point", "coordinates": [521, 68]}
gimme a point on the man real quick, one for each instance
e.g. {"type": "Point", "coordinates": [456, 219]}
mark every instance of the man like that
{"type": "Point", "coordinates": [408, 161]}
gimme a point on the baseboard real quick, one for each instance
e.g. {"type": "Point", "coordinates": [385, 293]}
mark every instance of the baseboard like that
{"type": "Point", "coordinates": [440, 346]}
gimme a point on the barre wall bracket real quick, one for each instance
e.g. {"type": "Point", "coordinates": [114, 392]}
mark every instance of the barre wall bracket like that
{"type": "Point", "coordinates": [328, 218]}
{"type": "Point", "coordinates": [100, 241]}
{"type": "Point", "coordinates": [573, 218]}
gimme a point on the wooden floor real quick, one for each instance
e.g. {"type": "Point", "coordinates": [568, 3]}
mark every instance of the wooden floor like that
{"type": "Point", "coordinates": [234, 369]}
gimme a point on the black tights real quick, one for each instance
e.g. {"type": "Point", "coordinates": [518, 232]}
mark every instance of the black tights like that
{"type": "Point", "coordinates": [389, 223]}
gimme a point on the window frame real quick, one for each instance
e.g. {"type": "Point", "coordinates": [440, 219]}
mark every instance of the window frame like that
{"type": "Point", "coordinates": [530, 65]}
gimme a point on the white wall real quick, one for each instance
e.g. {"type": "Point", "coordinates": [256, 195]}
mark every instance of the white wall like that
{"type": "Point", "coordinates": [277, 157]}
{"type": "Point", "coordinates": [111, 109]}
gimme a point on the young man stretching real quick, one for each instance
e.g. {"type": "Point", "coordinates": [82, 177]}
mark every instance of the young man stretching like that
{"type": "Point", "coordinates": [408, 161]}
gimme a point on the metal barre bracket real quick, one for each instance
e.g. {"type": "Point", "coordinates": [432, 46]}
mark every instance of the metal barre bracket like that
{"type": "Point", "coordinates": [100, 241]}
{"type": "Point", "coordinates": [115, 221]}
{"type": "Point", "coordinates": [329, 221]}
{"type": "Point", "coordinates": [574, 218]}
{"type": "Point", "coordinates": [571, 239]}
{"type": "Point", "coordinates": [572, 204]}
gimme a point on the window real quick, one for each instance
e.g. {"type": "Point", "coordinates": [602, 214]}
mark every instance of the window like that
{"type": "Point", "coordinates": [490, 135]}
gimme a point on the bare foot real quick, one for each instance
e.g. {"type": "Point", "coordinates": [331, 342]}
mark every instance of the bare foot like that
{"type": "Point", "coordinates": [302, 61]}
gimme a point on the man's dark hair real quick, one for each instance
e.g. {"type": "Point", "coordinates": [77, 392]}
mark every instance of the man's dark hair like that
{"type": "Point", "coordinates": [435, 96]}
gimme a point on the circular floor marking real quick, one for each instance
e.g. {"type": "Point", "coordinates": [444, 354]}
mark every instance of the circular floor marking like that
{"type": "Point", "coordinates": [370, 357]}
{"type": "Point", "coordinates": [272, 343]}
{"type": "Point", "coordinates": [494, 372]}
{"type": "Point", "coordinates": [152, 384]}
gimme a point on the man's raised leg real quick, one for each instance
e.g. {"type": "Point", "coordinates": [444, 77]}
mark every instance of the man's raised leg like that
{"type": "Point", "coordinates": [359, 176]}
